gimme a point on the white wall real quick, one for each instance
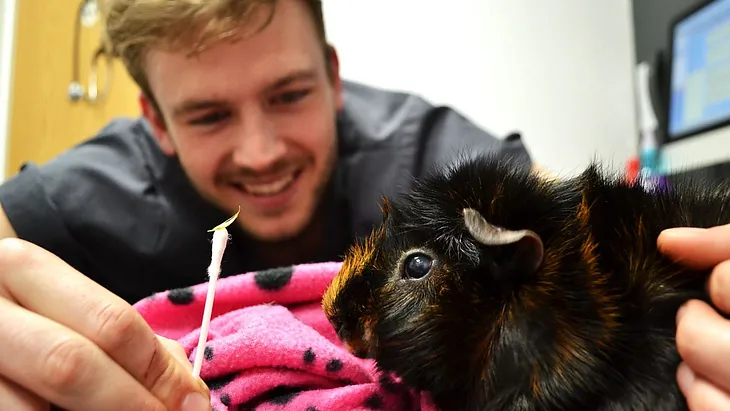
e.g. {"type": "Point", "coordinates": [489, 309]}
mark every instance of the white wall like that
{"type": "Point", "coordinates": [7, 34]}
{"type": "Point", "coordinates": [559, 71]}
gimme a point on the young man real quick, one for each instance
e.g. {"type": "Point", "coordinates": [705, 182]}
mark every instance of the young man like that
{"type": "Point", "coordinates": [264, 123]}
{"type": "Point", "coordinates": [243, 107]}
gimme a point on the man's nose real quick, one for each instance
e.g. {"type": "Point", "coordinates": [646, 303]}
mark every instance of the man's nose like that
{"type": "Point", "coordinates": [257, 145]}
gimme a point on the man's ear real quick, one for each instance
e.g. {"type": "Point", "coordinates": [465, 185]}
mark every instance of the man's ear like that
{"type": "Point", "coordinates": [154, 117]}
{"type": "Point", "coordinates": [334, 61]}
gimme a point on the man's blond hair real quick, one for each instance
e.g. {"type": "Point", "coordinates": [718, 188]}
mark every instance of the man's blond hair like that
{"type": "Point", "coordinates": [134, 26]}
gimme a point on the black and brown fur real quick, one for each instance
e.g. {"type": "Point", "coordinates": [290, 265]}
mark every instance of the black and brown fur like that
{"type": "Point", "coordinates": [591, 328]}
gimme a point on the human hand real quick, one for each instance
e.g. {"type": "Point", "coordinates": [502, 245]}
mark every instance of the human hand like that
{"type": "Point", "coordinates": [67, 341]}
{"type": "Point", "coordinates": [703, 335]}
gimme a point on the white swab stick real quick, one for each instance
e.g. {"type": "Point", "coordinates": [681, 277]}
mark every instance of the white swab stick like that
{"type": "Point", "coordinates": [220, 240]}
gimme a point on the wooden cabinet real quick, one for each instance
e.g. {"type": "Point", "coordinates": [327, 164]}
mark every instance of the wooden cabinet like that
{"type": "Point", "coordinates": [43, 120]}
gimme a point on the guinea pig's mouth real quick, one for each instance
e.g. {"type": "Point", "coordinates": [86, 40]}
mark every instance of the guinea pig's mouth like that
{"type": "Point", "coordinates": [358, 341]}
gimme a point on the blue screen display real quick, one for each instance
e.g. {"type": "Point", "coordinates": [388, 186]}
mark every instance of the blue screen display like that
{"type": "Point", "coordinates": [700, 84]}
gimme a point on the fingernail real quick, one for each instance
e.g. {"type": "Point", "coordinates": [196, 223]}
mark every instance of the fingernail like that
{"type": "Point", "coordinates": [196, 402]}
{"type": "Point", "coordinates": [685, 377]}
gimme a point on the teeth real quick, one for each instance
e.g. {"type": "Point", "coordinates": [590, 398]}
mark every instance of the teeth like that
{"type": "Point", "coordinates": [269, 188]}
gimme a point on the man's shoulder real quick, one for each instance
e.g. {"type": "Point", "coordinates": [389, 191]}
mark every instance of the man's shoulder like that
{"type": "Point", "coordinates": [116, 148]}
{"type": "Point", "coordinates": [121, 138]}
{"type": "Point", "coordinates": [84, 194]}
{"type": "Point", "coordinates": [114, 162]}
{"type": "Point", "coordinates": [390, 138]}
{"type": "Point", "coordinates": [374, 119]}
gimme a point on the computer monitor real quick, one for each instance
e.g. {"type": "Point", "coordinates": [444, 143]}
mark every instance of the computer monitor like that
{"type": "Point", "coordinates": [699, 75]}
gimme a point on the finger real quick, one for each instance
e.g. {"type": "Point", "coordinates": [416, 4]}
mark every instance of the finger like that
{"type": "Point", "coordinates": [719, 286]}
{"type": "Point", "coordinates": [177, 351]}
{"type": "Point", "coordinates": [701, 395]}
{"type": "Point", "coordinates": [61, 366]}
{"type": "Point", "coordinates": [13, 397]}
{"type": "Point", "coordinates": [696, 247]}
{"type": "Point", "coordinates": [703, 337]}
{"type": "Point", "coordinates": [44, 284]}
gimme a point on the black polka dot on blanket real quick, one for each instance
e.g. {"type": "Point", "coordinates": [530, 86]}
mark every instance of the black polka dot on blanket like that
{"type": "Point", "coordinates": [309, 356]}
{"type": "Point", "coordinates": [374, 402]}
{"type": "Point", "coordinates": [345, 381]}
{"type": "Point", "coordinates": [274, 279]}
{"type": "Point", "coordinates": [282, 395]}
{"type": "Point", "coordinates": [312, 408]}
{"type": "Point", "coordinates": [208, 353]}
{"type": "Point", "coordinates": [226, 399]}
{"type": "Point", "coordinates": [333, 365]}
{"type": "Point", "coordinates": [181, 296]}
{"type": "Point", "coordinates": [220, 382]}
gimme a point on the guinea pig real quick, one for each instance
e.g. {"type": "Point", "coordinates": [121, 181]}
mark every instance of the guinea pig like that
{"type": "Point", "coordinates": [494, 288]}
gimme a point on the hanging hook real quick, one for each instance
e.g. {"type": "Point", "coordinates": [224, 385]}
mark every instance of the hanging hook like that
{"type": "Point", "coordinates": [93, 94]}
{"type": "Point", "coordinates": [87, 16]}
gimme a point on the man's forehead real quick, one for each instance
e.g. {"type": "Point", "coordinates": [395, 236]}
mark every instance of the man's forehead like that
{"type": "Point", "coordinates": [233, 57]}
{"type": "Point", "coordinates": [227, 76]}
{"type": "Point", "coordinates": [284, 49]}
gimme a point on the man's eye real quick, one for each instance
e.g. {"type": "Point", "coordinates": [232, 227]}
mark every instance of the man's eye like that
{"type": "Point", "coordinates": [210, 118]}
{"type": "Point", "coordinates": [290, 97]}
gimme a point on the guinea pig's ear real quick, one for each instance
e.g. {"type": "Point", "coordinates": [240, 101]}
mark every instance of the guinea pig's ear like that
{"type": "Point", "coordinates": [524, 248]}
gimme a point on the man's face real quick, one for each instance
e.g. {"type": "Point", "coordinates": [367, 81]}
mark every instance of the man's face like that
{"type": "Point", "coordinates": [253, 122]}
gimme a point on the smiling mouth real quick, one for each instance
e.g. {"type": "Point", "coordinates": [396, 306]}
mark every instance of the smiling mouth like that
{"type": "Point", "coordinates": [269, 188]}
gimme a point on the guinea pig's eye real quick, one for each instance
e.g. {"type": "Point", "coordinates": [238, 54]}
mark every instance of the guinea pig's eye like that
{"type": "Point", "coordinates": [417, 265]}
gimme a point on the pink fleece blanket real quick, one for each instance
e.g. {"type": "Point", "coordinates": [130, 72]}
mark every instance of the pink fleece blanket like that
{"type": "Point", "coordinates": [270, 347]}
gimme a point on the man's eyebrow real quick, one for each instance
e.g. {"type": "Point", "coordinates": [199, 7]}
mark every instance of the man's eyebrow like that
{"type": "Point", "coordinates": [195, 105]}
{"type": "Point", "coordinates": [297, 75]}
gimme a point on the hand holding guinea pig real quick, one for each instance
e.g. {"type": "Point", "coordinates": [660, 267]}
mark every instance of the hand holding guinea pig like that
{"type": "Point", "coordinates": [703, 335]}
{"type": "Point", "coordinates": [493, 288]}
